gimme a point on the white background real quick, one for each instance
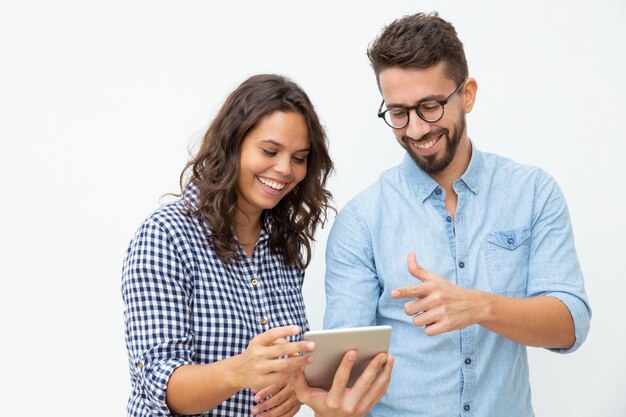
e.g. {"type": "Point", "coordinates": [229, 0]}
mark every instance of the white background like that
{"type": "Point", "coordinates": [100, 103]}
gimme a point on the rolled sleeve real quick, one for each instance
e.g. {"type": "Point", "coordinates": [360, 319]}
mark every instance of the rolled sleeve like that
{"type": "Point", "coordinates": [153, 379]}
{"type": "Point", "coordinates": [581, 316]}
{"type": "Point", "coordinates": [554, 268]}
{"type": "Point", "coordinates": [156, 293]}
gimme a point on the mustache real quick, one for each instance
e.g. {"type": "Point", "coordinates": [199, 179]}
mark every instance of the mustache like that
{"type": "Point", "coordinates": [428, 136]}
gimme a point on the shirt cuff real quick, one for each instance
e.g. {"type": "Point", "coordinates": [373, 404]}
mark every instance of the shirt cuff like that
{"type": "Point", "coordinates": [153, 379]}
{"type": "Point", "coordinates": [581, 314]}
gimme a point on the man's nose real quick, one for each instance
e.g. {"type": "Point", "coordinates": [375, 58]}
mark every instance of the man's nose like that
{"type": "Point", "coordinates": [417, 127]}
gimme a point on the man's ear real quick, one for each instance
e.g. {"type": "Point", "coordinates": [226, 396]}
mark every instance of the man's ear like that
{"type": "Point", "coordinates": [469, 94]}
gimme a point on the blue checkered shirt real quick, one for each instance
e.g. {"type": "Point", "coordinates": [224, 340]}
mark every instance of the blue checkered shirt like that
{"type": "Point", "coordinates": [184, 306]}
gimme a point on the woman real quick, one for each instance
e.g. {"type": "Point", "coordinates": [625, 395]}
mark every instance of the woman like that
{"type": "Point", "coordinates": [212, 282]}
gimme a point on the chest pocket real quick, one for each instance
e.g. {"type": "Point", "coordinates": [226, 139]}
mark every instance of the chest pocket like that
{"type": "Point", "coordinates": [506, 257]}
{"type": "Point", "coordinates": [288, 309]}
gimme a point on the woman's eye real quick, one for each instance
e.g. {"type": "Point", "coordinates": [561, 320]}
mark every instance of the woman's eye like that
{"type": "Point", "coordinates": [299, 160]}
{"type": "Point", "coordinates": [268, 152]}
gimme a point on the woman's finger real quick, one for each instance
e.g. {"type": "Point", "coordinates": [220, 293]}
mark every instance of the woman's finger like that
{"type": "Point", "coordinates": [262, 394]}
{"type": "Point", "coordinates": [278, 404]}
{"type": "Point", "coordinates": [270, 336]}
{"type": "Point", "coordinates": [289, 349]}
{"type": "Point", "coordinates": [288, 365]}
{"type": "Point", "coordinates": [289, 413]}
{"type": "Point", "coordinates": [272, 400]}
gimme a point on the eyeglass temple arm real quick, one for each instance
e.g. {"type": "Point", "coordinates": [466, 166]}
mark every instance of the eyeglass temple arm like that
{"type": "Point", "coordinates": [380, 112]}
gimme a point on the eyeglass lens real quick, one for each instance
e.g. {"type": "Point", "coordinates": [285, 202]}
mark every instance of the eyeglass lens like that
{"type": "Point", "coordinates": [430, 111]}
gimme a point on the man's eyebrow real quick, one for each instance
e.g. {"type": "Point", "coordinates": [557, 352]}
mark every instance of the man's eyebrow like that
{"type": "Point", "coordinates": [281, 146]}
{"type": "Point", "coordinates": [432, 97]}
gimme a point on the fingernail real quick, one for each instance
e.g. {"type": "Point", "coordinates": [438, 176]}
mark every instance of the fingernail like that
{"type": "Point", "coordinates": [295, 329]}
{"type": "Point", "coordinates": [257, 398]}
{"type": "Point", "coordinates": [255, 410]}
{"type": "Point", "coordinates": [310, 346]}
{"type": "Point", "coordinates": [395, 293]}
{"type": "Point", "coordinates": [310, 359]}
{"type": "Point", "coordinates": [351, 355]}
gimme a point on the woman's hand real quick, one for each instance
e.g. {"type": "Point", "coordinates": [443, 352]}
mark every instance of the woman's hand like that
{"type": "Point", "coordinates": [276, 400]}
{"type": "Point", "coordinates": [265, 362]}
{"type": "Point", "coordinates": [342, 401]}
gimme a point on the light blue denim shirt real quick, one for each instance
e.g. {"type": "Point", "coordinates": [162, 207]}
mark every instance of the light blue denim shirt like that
{"type": "Point", "coordinates": [511, 236]}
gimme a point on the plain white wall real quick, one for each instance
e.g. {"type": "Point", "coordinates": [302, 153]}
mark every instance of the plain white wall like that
{"type": "Point", "coordinates": [101, 101]}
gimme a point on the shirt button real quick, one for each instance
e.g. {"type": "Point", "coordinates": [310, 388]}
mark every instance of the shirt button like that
{"type": "Point", "coordinates": [254, 281]}
{"type": "Point", "coordinates": [263, 321]}
{"type": "Point", "coordinates": [140, 365]}
{"type": "Point", "coordinates": [468, 361]}
{"type": "Point", "coordinates": [258, 247]}
{"type": "Point", "coordinates": [466, 407]}
{"type": "Point", "coordinates": [449, 219]}
{"type": "Point", "coordinates": [438, 191]}
{"type": "Point", "coordinates": [461, 264]}
{"type": "Point", "coordinates": [510, 241]}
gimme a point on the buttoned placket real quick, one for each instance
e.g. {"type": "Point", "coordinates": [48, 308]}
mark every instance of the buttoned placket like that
{"type": "Point", "coordinates": [464, 280]}
{"type": "Point", "coordinates": [257, 288]}
{"type": "Point", "coordinates": [459, 250]}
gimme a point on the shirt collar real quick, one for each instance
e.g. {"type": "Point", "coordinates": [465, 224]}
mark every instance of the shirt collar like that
{"type": "Point", "coordinates": [420, 181]}
{"type": "Point", "coordinates": [474, 172]}
{"type": "Point", "coordinates": [268, 226]}
{"type": "Point", "coordinates": [424, 185]}
{"type": "Point", "coordinates": [191, 198]}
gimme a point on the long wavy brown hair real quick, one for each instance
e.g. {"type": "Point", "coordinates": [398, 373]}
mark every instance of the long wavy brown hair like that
{"type": "Point", "coordinates": [215, 169]}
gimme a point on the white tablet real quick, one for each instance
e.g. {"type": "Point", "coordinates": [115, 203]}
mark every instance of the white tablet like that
{"type": "Point", "coordinates": [331, 345]}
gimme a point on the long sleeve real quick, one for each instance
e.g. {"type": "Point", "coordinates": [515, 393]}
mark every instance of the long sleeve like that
{"type": "Point", "coordinates": [352, 286]}
{"type": "Point", "coordinates": [156, 292]}
{"type": "Point", "coordinates": [553, 265]}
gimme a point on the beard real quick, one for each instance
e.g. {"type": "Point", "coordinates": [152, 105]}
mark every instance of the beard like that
{"type": "Point", "coordinates": [430, 163]}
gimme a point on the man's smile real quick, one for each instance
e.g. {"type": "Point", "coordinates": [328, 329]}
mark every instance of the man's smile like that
{"type": "Point", "coordinates": [427, 144]}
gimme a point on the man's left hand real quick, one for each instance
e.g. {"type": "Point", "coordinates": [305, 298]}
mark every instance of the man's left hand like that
{"type": "Point", "coordinates": [438, 305]}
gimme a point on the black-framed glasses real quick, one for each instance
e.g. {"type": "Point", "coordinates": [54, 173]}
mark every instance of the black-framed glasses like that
{"type": "Point", "coordinates": [428, 110]}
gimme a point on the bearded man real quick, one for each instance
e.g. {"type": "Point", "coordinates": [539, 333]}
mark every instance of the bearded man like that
{"type": "Point", "coordinates": [469, 256]}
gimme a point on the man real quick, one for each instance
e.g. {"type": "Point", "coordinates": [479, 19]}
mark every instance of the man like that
{"type": "Point", "coordinates": [491, 261]}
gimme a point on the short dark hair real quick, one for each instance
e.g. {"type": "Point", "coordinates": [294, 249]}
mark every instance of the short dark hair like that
{"type": "Point", "coordinates": [419, 41]}
{"type": "Point", "coordinates": [215, 169]}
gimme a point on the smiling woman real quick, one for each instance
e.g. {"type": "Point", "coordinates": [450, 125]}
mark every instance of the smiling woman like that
{"type": "Point", "coordinates": [273, 161]}
{"type": "Point", "coordinates": [271, 109]}
{"type": "Point", "coordinates": [212, 282]}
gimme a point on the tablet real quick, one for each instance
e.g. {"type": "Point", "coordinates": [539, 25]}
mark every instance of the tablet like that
{"type": "Point", "coordinates": [331, 345]}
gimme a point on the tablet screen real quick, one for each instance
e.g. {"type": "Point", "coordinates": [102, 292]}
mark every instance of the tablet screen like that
{"type": "Point", "coordinates": [331, 345]}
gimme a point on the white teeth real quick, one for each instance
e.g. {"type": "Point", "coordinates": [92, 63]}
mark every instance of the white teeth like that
{"type": "Point", "coordinates": [425, 145]}
{"type": "Point", "coordinates": [272, 184]}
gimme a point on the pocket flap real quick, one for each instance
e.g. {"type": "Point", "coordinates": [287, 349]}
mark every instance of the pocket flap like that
{"type": "Point", "coordinates": [509, 239]}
